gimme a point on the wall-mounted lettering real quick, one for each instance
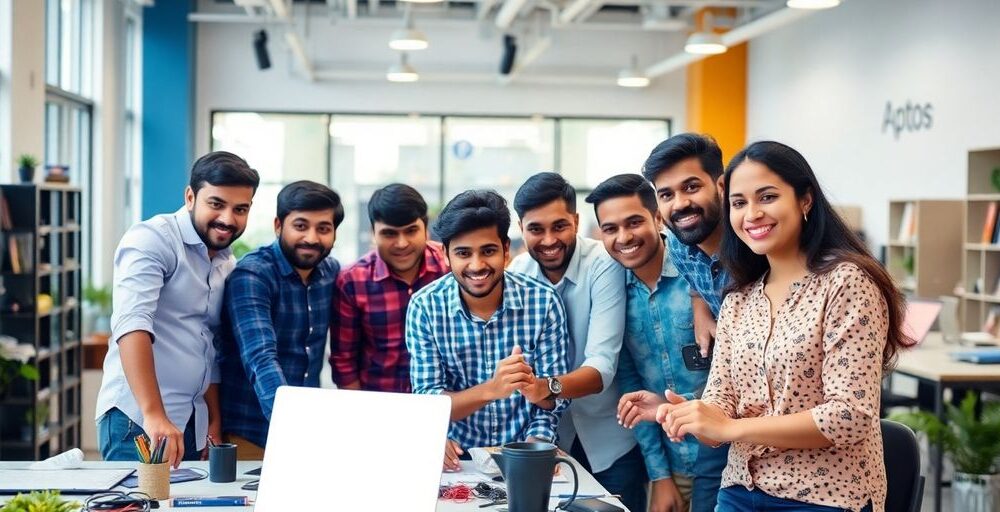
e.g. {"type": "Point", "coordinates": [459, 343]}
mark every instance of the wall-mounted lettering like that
{"type": "Point", "coordinates": [911, 117]}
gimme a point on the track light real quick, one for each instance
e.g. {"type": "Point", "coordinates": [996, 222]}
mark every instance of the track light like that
{"type": "Point", "coordinates": [812, 4]}
{"type": "Point", "coordinates": [408, 38]}
{"type": "Point", "coordinates": [705, 41]}
{"type": "Point", "coordinates": [402, 72]}
{"type": "Point", "coordinates": [632, 76]}
{"type": "Point", "coordinates": [260, 50]}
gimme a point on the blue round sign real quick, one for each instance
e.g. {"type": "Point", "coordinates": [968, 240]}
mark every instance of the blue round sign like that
{"type": "Point", "coordinates": [462, 149]}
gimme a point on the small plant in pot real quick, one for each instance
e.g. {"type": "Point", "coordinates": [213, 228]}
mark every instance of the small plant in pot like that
{"type": "Point", "coordinates": [36, 421]}
{"type": "Point", "coordinates": [40, 501]}
{"type": "Point", "coordinates": [98, 302]}
{"type": "Point", "coordinates": [974, 447]}
{"type": "Point", "coordinates": [26, 167]}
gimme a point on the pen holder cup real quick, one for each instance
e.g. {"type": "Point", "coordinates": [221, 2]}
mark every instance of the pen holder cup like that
{"type": "Point", "coordinates": [154, 480]}
{"type": "Point", "coordinates": [222, 463]}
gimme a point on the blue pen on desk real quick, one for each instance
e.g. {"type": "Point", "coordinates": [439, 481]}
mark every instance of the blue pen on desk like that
{"type": "Point", "coordinates": [220, 501]}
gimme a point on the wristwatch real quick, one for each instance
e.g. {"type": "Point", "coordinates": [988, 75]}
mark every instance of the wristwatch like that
{"type": "Point", "coordinates": [555, 388]}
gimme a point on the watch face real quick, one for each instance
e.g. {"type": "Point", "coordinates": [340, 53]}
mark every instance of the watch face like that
{"type": "Point", "coordinates": [555, 387]}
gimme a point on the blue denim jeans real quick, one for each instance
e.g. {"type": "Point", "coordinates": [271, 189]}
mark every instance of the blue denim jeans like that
{"type": "Point", "coordinates": [737, 498]}
{"type": "Point", "coordinates": [116, 434]}
{"type": "Point", "coordinates": [626, 477]}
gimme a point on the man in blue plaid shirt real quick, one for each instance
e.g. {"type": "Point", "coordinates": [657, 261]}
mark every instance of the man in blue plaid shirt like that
{"type": "Point", "coordinates": [277, 313]}
{"type": "Point", "coordinates": [686, 172]}
{"type": "Point", "coordinates": [480, 334]}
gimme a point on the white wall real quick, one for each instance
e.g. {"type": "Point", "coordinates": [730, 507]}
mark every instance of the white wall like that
{"type": "Point", "coordinates": [227, 77]}
{"type": "Point", "coordinates": [821, 85]}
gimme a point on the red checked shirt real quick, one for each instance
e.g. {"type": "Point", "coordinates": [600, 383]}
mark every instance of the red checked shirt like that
{"type": "Point", "coordinates": [367, 339]}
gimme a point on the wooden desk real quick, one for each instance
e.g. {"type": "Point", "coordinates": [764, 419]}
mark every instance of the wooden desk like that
{"type": "Point", "coordinates": [931, 362]}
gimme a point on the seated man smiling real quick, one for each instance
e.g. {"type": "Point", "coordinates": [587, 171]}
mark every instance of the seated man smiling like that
{"type": "Point", "coordinates": [481, 334]}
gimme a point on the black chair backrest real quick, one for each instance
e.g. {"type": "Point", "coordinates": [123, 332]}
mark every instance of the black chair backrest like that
{"type": "Point", "coordinates": [905, 487]}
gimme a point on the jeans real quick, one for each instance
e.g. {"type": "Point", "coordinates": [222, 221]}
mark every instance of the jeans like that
{"type": "Point", "coordinates": [737, 498]}
{"type": "Point", "coordinates": [116, 434]}
{"type": "Point", "coordinates": [626, 477]}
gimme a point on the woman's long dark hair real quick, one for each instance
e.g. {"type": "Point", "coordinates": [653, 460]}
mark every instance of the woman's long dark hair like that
{"type": "Point", "coordinates": [825, 239]}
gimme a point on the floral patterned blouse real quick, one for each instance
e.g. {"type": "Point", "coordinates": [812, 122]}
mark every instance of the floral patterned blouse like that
{"type": "Point", "coordinates": [824, 356]}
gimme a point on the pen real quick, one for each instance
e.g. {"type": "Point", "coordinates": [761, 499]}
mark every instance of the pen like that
{"type": "Point", "coordinates": [581, 496]}
{"type": "Point", "coordinates": [219, 501]}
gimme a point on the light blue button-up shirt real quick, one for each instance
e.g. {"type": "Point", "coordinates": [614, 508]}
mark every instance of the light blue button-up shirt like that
{"type": "Point", "coordinates": [591, 291]}
{"type": "Point", "coordinates": [165, 284]}
{"type": "Point", "coordinates": [659, 324]}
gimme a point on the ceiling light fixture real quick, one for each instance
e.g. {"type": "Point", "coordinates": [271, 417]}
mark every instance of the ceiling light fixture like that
{"type": "Point", "coordinates": [422, 1]}
{"type": "Point", "coordinates": [408, 38]}
{"type": "Point", "coordinates": [632, 76]}
{"type": "Point", "coordinates": [705, 41]}
{"type": "Point", "coordinates": [812, 4]}
{"type": "Point", "coordinates": [402, 72]}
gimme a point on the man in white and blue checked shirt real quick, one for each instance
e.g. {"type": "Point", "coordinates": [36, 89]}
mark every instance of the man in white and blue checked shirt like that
{"type": "Point", "coordinates": [481, 334]}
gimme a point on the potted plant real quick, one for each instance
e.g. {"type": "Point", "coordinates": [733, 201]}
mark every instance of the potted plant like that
{"type": "Point", "coordinates": [974, 447]}
{"type": "Point", "coordinates": [14, 363]}
{"type": "Point", "coordinates": [98, 301]}
{"type": "Point", "coordinates": [40, 501]}
{"type": "Point", "coordinates": [26, 167]}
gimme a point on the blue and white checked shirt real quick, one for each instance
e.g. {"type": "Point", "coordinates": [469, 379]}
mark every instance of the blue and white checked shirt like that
{"type": "Point", "coordinates": [274, 334]}
{"type": "Point", "coordinates": [452, 350]}
{"type": "Point", "coordinates": [703, 272]}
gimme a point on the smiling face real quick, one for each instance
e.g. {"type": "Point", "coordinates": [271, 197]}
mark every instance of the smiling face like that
{"type": "Point", "coordinates": [630, 232]}
{"type": "Point", "coordinates": [306, 237]}
{"type": "Point", "coordinates": [219, 214]}
{"type": "Point", "coordinates": [688, 201]}
{"type": "Point", "coordinates": [477, 261]}
{"type": "Point", "coordinates": [401, 247]}
{"type": "Point", "coordinates": [764, 210]}
{"type": "Point", "coordinates": [549, 233]}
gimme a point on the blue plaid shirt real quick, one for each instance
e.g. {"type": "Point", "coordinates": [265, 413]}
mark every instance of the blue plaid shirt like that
{"type": "Point", "coordinates": [452, 350]}
{"type": "Point", "coordinates": [274, 334]}
{"type": "Point", "coordinates": [703, 272]}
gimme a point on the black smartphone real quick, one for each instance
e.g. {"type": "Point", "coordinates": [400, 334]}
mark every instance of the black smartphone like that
{"type": "Point", "coordinates": [693, 360]}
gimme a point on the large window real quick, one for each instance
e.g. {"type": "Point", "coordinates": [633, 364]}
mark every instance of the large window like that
{"type": "Point", "coordinates": [438, 155]}
{"type": "Point", "coordinates": [69, 33]}
{"type": "Point", "coordinates": [132, 128]}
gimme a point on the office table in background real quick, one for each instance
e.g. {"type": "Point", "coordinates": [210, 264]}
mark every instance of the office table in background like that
{"type": "Point", "coordinates": [931, 363]}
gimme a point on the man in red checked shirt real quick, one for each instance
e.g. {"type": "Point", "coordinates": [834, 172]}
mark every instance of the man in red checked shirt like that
{"type": "Point", "coordinates": [367, 342]}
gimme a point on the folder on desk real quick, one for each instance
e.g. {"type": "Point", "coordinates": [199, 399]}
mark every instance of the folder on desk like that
{"type": "Point", "coordinates": [979, 356]}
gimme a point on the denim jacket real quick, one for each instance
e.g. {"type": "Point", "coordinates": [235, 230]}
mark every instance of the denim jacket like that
{"type": "Point", "coordinates": [658, 324]}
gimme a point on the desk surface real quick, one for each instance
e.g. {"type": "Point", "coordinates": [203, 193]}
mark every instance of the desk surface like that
{"type": "Point", "coordinates": [931, 360]}
{"type": "Point", "coordinates": [588, 485]}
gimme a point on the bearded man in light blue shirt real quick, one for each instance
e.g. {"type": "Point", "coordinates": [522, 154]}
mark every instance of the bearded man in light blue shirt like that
{"type": "Point", "coordinates": [160, 374]}
{"type": "Point", "coordinates": [590, 284]}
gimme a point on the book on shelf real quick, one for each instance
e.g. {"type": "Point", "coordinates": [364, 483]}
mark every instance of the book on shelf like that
{"type": "Point", "coordinates": [990, 224]}
{"type": "Point", "coordinates": [6, 221]}
{"type": "Point", "coordinates": [907, 224]}
{"type": "Point", "coordinates": [20, 252]}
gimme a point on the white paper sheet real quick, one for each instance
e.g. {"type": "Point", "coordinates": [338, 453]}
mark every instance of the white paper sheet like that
{"type": "Point", "coordinates": [69, 480]}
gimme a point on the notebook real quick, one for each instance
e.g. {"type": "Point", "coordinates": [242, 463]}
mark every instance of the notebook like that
{"type": "Point", "coordinates": [978, 356]}
{"type": "Point", "coordinates": [66, 481]}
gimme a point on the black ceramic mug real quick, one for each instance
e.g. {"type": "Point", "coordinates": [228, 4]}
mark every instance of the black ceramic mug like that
{"type": "Point", "coordinates": [222, 462]}
{"type": "Point", "coordinates": [527, 469]}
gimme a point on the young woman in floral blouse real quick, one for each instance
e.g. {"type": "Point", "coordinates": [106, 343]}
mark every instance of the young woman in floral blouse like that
{"type": "Point", "coordinates": [809, 326]}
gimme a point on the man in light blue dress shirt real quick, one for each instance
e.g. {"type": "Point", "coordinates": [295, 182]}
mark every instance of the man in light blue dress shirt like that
{"type": "Point", "coordinates": [590, 284]}
{"type": "Point", "coordinates": [160, 375]}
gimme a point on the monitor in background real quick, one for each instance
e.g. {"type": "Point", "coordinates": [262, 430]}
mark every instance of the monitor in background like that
{"type": "Point", "coordinates": [330, 449]}
{"type": "Point", "coordinates": [920, 317]}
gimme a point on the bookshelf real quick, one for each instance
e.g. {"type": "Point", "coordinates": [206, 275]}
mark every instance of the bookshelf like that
{"type": "Point", "coordinates": [40, 251]}
{"type": "Point", "coordinates": [925, 244]}
{"type": "Point", "coordinates": [981, 257]}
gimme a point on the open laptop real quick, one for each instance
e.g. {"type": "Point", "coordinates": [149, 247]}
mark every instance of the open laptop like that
{"type": "Point", "coordinates": [330, 449]}
{"type": "Point", "coordinates": [920, 317]}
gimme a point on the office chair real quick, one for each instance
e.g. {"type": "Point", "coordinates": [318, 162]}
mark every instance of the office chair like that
{"type": "Point", "coordinates": [905, 484]}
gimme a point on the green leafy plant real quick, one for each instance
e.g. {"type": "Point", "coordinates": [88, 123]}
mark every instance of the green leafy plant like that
{"type": "Point", "coordinates": [909, 263]}
{"type": "Point", "coordinates": [99, 297]}
{"type": "Point", "coordinates": [240, 249]}
{"type": "Point", "coordinates": [995, 178]}
{"type": "Point", "coordinates": [38, 416]}
{"type": "Point", "coordinates": [14, 363]}
{"type": "Point", "coordinates": [41, 501]}
{"type": "Point", "coordinates": [26, 160]}
{"type": "Point", "coordinates": [973, 444]}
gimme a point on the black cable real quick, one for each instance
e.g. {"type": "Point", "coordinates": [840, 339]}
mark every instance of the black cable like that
{"type": "Point", "coordinates": [117, 501]}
